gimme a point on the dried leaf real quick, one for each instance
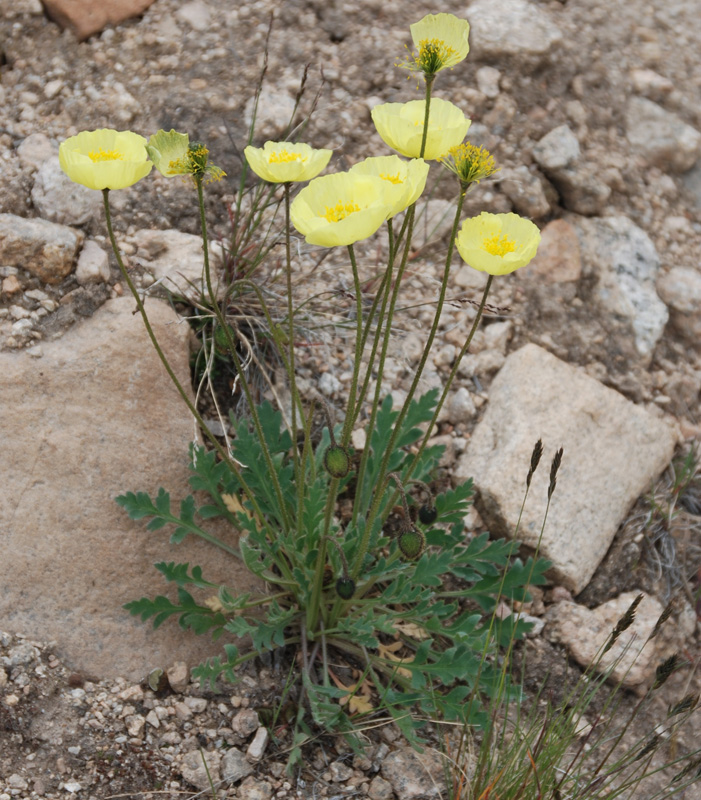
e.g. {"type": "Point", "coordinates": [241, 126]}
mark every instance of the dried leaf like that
{"type": "Point", "coordinates": [387, 652]}
{"type": "Point", "coordinates": [357, 699]}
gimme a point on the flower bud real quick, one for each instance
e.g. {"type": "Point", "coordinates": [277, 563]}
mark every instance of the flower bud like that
{"type": "Point", "coordinates": [337, 461]}
{"type": "Point", "coordinates": [412, 543]}
{"type": "Point", "coordinates": [345, 588]}
{"type": "Point", "coordinates": [428, 514]}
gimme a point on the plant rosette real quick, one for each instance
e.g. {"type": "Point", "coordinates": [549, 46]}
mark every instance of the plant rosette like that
{"type": "Point", "coordinates": [401, 126]}
{"type": "Point", "coordinates": [407, 178]}
{"type": "Point", "coordinates": [105, 159]}
{"type": "Point", "coordinates": [497, 243]}
{"type": "Point", "coordinates": [286, 162]}
{"type": "Point", "coordinates": [341, 209]}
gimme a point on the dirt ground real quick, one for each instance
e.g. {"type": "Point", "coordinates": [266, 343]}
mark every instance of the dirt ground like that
{"type": "Point", "coordinates": [195, 67]}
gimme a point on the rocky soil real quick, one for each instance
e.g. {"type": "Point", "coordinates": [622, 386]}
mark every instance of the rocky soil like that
{"type": "Point", "coordinates": [593, 112]}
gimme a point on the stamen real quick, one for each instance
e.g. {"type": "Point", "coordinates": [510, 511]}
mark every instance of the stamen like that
{"type": "Point", "coordinates": [105, 155]}
{"type": "Point", "coordinates": [498, 246]}
{"type": "Point", "coordinates": [284, 157]}
{"type": "Point", "coordinates": [391, 178]}
{"type": "Point", "coordinates": [340, 211]}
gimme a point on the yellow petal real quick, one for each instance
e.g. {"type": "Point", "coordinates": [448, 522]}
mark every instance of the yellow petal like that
{"type": "Point", "coordinates": [498, 243]}
{"type": "Point", "coordinates": [401, 127]}
{"type": "Point", "coordinates": [286, 162]}
{"type": "Point", "coordinates": [406, 179]}
{"type": "Point", "coordinates": [168, 151]}
{"type": "Point", "coordinates": [105, 158]}
{"type": "Point", "coordinates": [341, 209]}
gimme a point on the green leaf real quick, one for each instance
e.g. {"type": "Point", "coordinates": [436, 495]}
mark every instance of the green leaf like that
{"type": "Point", "coordinates": [210, 670]}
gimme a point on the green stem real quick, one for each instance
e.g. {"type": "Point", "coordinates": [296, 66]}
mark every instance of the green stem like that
{"type": "Point", "coordinates": [154, 341]}
{"type": "Point", "coordinates": [348, 423]}
{"type": "Point", "coordinates": [237, 364]}
{"type": "Point", "coordinates": [451, 377]}
{"type": "Point", "coordinates": [291, 341]}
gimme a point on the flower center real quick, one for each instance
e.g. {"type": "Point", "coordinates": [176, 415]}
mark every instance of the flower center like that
{"type": "Point", "coordinates": [284, 157]}
{"type": "Point", "coordinates": [498, 246]}
{"type": "Point", "coordinates": [105, 155]}
{"type": "Point", "coordinates": [340, 211]}
{"type": "Point", "coordinates": [434, 54]}
{"type": "Point", "coordinates": [391, 178]}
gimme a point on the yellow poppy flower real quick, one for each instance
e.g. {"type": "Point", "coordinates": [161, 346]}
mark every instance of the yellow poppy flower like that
{"type": "Point", "coordinates": [105, 159]}
{"type": "Point", "coordinates": [498, 243]}
{"type": "Point", "coordinates": [341, 209]}
{"type": "Point", "coordinates": [441, 41]}
{"type": "Point", "coordinates": [401, 127]}
{"type": "Point", "coordinates": [286, 162]}
{"type": "Point", "coordinates": [173, 154]}
{"type": "Point", "coordinates": [168, 151]}
{"type": "Point", "coordinates": [406, 179]}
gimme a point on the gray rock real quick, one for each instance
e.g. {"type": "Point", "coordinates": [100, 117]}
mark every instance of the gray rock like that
{"type": "Point", "coordinates": [613, 450]}
{"type": "Point", "coordinates": [623, 258]}
{"type": "Point", "coordinates": [10, 9]}
{"type": "Point", "coordinates": [234, 766]}
{"type": "Point", "coordinates": [525, 190]}
{"type": "Point", "coordinates": [43, 248]}
{"type": "Point", "coordinates": [256, 748]}
{"type": "Point", "coordinates": [36, 149]}
{"type": "Point", "coordinates": [511, 28]}
{"type": "Point", "coordinates": [174, 259]}
{"type": "Point", "coordinates": [15, 187]}
{"type": "Point", "coordinates": [692, 182]}
{"type": "Point", "coordinates": [380, 789]}
{"type": "Point", "coordinates": [57, 198]}
{"type": "Point", "coordinates": [583, 631]}
{"type": "Point", "coordinates": [275, 109]}
{"type": "Point", "coordinates": [196, 14]}
{"type": "Point", "coordinates": [252, 789]}
{"type": "Point", "coordinates": [581, 189]}
{"type": "Point", "coordinates": [178, 676]}
{"type": "Point", "coordinates": [661, 137]}
{"type": "Point", "coordinates": [680, 289]}
{"type": "Point", "coordinates": [461, 406]}
{"type": "Point", "coordinates": [93, 264]}
{"type": "Point", "coordinates": [194, 771]}
{"type": "Point", "coordinates": [488, 81]}
{"type": "Point", "coordinates": [651, 84]}
{"type": "Point", "coordinates": [415, 776]}
{"type": "Point", "coordinates": [557, 149]}
{"type": "Point", "coordinates": [101, 419]}
{"type": "Point", "coordinates": [245, 722]}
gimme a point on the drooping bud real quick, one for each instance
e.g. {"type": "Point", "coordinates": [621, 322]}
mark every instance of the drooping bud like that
{"type": "Point", "coordinates": [345, 587]}
{"type": "Point", "coordinates": [428, 514]}
{"type": "Point", "coordinates": [337, 461]}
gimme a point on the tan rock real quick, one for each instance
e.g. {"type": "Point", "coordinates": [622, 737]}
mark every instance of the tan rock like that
{"type": "Point", "coordinates": [86, 17]}
{"type": "Point", "coordinates": [558, 259]}
{"type": "Point", "coordinates": [613, 451]}
{"type": "Point", "coordinates": [96, 418]}
{"type": "Point", "coordinates": [584, 631]}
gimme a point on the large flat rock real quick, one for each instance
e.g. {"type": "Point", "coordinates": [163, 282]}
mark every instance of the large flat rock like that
{"type": "Point", "coordinates": [613, 450]}
{"type": "Point", "coordinates": [95, 417]}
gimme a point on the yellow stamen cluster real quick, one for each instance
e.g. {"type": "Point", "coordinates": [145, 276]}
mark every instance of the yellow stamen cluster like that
{"type": "Point", "coordinates": [391, 178]}
{"type": "Point", "coordinates": [284, 157]}
{"type": "Point", "coordinates": [498, 246]}
{"type": "Point", "coordinates": [470, 163]}
{"type": "Point", "coordinates": [105, 155]}
{"type": "Point", "coordinates": [433, 54]}
{"type": "Point", "coordinates": [340, 211]}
